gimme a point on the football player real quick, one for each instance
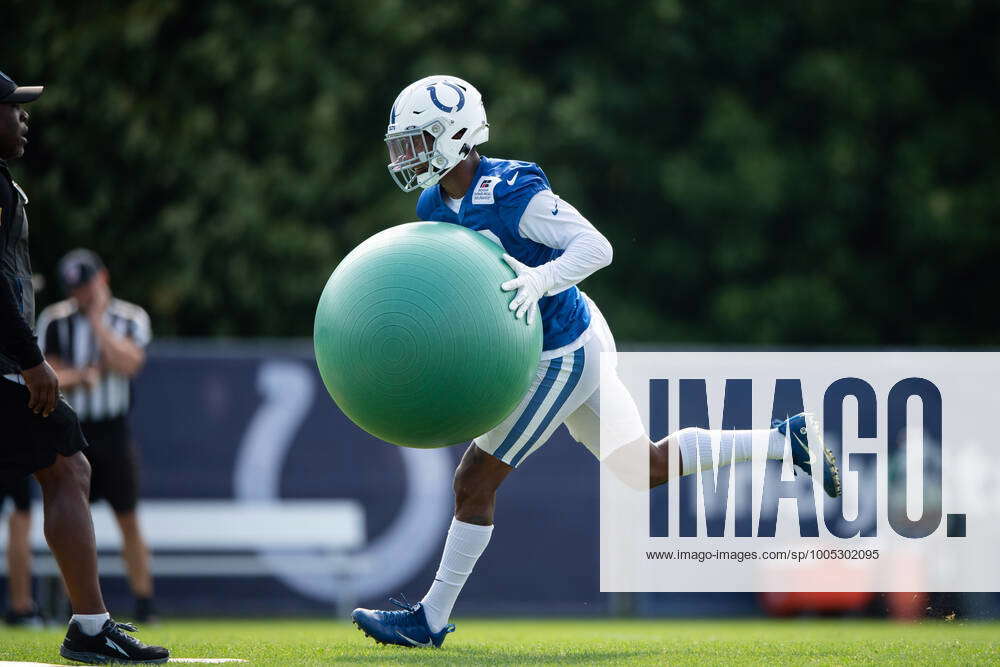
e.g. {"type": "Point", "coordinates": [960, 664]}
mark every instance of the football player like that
{"type": "Point", "coordinates": [435, 127]}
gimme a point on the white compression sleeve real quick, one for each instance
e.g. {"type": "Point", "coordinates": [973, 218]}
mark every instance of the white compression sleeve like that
{"type": "Point", "coordinates": [549, 220]}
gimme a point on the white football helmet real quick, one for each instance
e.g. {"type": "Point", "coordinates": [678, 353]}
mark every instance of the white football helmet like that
{"type": "Point", "coordinates": [433, 125]}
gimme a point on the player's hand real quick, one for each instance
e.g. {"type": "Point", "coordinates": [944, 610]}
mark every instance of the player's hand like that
{"type": "Point", "coordinates": [43, 385]}
{"type": "Point", "coordinates": [531, 286]}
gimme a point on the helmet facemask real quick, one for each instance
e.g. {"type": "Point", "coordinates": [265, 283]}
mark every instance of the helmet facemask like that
{"type": "Point", "coordinates": [414, 159]}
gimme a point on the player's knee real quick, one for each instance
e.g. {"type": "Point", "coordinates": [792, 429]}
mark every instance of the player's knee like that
{"type": "Point", "coordinates": [658, 465]}
{"type": "Point", "coordinates": [74, 472]}
{"type": "Point", "coordinates": [469, 489]}
{"type": "Point", "coordinates": [474, 493]}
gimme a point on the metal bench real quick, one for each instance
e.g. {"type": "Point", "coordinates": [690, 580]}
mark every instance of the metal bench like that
{"type": "Point", "coordinates": [221, 538]}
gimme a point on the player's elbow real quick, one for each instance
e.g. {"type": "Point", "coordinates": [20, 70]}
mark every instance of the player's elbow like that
{"type": "Point", "coordinates": [604, 251]}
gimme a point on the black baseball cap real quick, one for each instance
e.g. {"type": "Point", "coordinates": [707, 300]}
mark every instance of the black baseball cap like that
{"type": "Point", "coordinates": [78, 267]}
{"type": "Point", "coordinates": [11, 93]}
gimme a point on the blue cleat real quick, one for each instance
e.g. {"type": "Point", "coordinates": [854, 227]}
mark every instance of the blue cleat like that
{"type": "Point", "coordinates": [407, 627]}
{"type": "Point", "coordinates": [804, 429]}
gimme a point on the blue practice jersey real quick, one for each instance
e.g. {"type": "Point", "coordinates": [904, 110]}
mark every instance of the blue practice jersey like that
{"type": "Point", "coordinates": [500, 191]}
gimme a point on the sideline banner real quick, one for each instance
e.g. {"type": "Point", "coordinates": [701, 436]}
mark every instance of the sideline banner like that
{"type": "Point", "coordinates": [915, 440]}
{"type": "Point", "coordinates": [251, 420]}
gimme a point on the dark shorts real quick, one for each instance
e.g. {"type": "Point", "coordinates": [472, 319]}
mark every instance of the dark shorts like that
{"type": "Point", "coordinates": [30, 442]}
{"type": "Point", "coordinates": [114, 470]}
{"type": "Point", "coordinates": [19, 492]}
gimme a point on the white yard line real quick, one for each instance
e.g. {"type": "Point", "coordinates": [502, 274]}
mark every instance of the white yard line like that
{"type": "Point", "coordinates": [5, 663]}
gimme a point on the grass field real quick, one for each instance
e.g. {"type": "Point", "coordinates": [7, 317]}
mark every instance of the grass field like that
{"type": "Point", "coordinates": [632, 642]}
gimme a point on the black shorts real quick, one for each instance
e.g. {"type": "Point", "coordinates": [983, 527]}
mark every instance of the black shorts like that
{"type": "Point", "coordinates": [30, 442]}
{"type": "Point", "coordinates": [19, 492]}
{"type": "Point", "coordinates": [114, 470]}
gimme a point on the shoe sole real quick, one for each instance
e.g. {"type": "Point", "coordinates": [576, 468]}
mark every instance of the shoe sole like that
{"type": "Point", "coordinates": [99, 659]}
{"type": "Point", "coordinates": [383, 643]}
{"type": "Point", "coordinates": [377, 641]}
{"type": "Point", "coordinates": [815, 435]}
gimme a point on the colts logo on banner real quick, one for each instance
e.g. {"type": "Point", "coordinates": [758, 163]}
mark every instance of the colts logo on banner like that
{"type": "Point", "coordinates": [432, 89]}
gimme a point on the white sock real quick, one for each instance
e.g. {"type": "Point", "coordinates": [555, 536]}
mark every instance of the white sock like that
{"type": "Point", "coordinates": [775, 445]}
{"type": "Point", "coordinates": [90, 624]}
{"type": "Point", "coordinates": [699, 447]}
{"type": "Point", "coordinates": [465, 544]}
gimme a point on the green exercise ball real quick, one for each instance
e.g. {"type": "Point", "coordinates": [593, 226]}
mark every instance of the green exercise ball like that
{"type": "Point", "coordinates": [414, 338]}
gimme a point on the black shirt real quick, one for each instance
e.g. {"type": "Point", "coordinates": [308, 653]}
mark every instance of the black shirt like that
{"type": "Point", "coordinates": [18, 348]}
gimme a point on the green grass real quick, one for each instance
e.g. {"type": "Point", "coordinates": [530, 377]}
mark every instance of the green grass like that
{"type": "Point", "coordinates": [514, 642]}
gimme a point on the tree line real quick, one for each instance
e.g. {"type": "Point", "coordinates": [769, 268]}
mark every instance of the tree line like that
{"type": "Point", "coordinates": [768, 173]}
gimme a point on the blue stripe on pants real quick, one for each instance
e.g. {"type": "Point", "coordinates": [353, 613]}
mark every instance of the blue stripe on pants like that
{"type": "Point", "coordinates": [530, 409]}
{"type": "Point", "coordinates": [574, 379]}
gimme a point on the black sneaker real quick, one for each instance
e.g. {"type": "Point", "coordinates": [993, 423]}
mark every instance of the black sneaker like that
{"type": "Point", "coordinates": [25, 619]}
{"type": "Point", "coordinates": [145, 611]}
{"type": "Point", "coordinates": [111, 645]}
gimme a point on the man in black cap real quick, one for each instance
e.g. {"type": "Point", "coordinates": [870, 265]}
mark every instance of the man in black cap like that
{"type": "Point", "coordinates": [39, 433]}
{"type": "Point", "coordinates": [96, 344]}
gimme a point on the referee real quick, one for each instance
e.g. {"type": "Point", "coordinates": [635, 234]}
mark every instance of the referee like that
{"type": "Point", "coordinates": [96, 343]}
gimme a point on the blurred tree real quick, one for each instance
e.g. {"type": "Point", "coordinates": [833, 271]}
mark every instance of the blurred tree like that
{"type": "Point", "coordinates": [812, 173]}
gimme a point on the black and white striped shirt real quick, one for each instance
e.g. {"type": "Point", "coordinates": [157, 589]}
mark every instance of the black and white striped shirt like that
{"type": "Point", "coordinates": [65, 332]}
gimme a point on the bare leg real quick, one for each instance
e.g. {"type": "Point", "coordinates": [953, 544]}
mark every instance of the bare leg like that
{"type": "Point", "coordinates": [136, 555]}
{"type": "Point", "coordinates": [69, 530]}
{"type": "Point", "coordinates": [476, 482]}
{"type": "Point", "coordinates": [627, 463]}
{"type": "Point", "coordinates": [659, 463]}
{"type": "Point", "coordinates": [19, 562]}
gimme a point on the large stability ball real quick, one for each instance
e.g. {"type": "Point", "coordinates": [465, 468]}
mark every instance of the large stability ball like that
{"type": "Point", "coordinates": [414, 338]}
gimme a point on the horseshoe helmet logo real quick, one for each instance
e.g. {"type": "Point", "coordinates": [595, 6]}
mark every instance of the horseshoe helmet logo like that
{"type": "Point", "coordinates": [432, 89]}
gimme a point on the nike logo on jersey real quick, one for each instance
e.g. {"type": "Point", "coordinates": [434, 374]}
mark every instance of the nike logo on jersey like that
{"type": "Point", "coordinates": [415, 643]}
{"type": "Point", "coordinates": [107, 640]}
{"type": "Point", "coordinates": [510, 181]}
